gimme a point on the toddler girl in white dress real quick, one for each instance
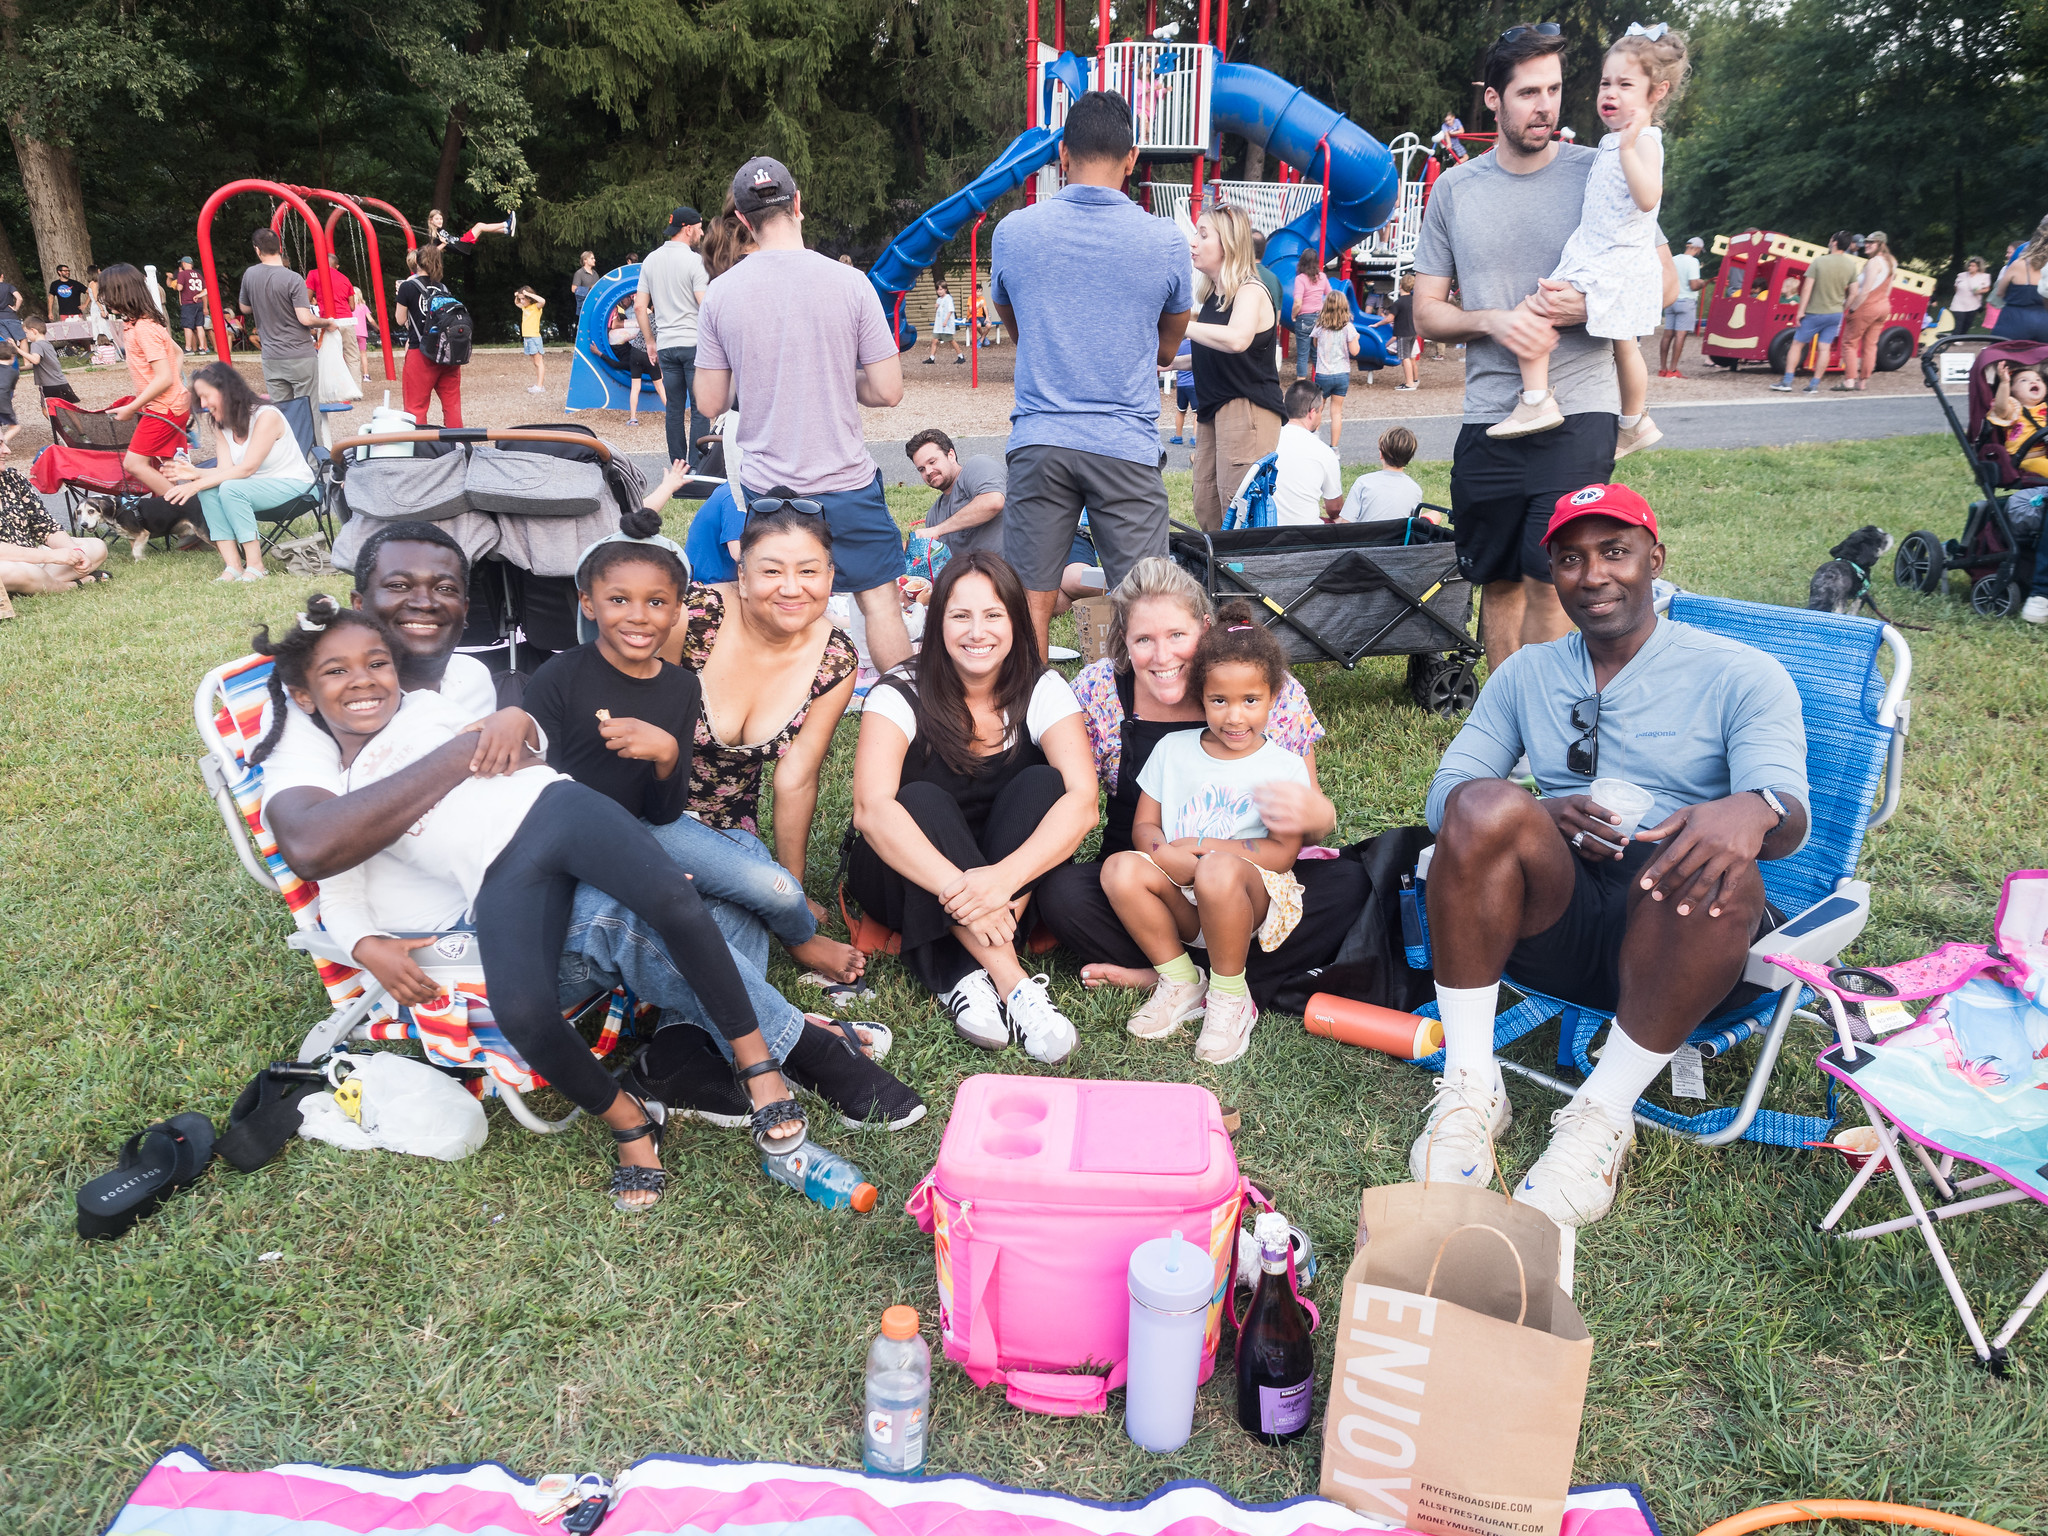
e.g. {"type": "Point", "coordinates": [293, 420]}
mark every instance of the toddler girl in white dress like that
{"type": "Point", "coordinates": [1612, 256]}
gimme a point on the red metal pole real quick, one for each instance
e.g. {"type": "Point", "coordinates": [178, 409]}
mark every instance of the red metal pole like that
{"type": "Point", "coordinates": [1223, 27]}
{"type": "Point", "coordinates": [344, 203]}
{"type": "Point", "coordinates": [1323, 234]}
{"type": "Point", "coordinates": [1102, 45]}
{"type": "Point", "coordinates": [206, 262]}
{"type": "Point", "coordinates": [1151, 17]}
{"type": "Point", "coordinates": [974, 300]}
{"type": "Point", "coordinates": [1031, 77]}
{"type": "Point", "coordinates": [1059, 26]}
{"type": "Point", "coordinates": [1207, 64]}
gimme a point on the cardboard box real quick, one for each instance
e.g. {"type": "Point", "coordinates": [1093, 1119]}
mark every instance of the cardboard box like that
{"type": "Point", "coordinates": [1091, 627]}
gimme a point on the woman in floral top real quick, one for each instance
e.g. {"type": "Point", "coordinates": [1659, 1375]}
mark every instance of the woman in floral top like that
{"type": "Point", "coordinates": [777, 675]}
{"type": "Point", "coordinates": [34, 555]}
{"type": "Point", "coordinates": [1130, 702]}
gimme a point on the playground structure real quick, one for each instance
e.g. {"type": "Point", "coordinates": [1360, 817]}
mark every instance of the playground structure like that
{"type": "Point", "coordinates": [1756, 293]}
{"type": "Point", "coordinates": [598, 379]}
{"type": "Point", "coordinates": [1351, 195]}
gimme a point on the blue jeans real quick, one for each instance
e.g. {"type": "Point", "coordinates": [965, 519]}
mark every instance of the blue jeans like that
{"type": "Point", "coordinates": [685, 425]}
{"type": "Point", "coordinates": [736, 866]}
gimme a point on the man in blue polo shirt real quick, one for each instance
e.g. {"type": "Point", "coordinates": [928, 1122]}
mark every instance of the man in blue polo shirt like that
{"type": "Point", "coordinates": [1096, 292]}
{"type": "Point", "coordinates": [1655, 930]}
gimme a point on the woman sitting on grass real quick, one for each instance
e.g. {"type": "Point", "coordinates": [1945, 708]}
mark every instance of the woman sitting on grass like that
{"type": "Point", "coordinates": [1136, 698]}
{"type": "Point", "coordinates": [1205, 867]}
{"type": "Point", "coordinates": [622, 720]}
{"type": "Point", "coordinates": [971, 780]}
{"type": "Point", "coordinates": [35, 555]}
{"type": "Point", "coordinates": [507, 851]}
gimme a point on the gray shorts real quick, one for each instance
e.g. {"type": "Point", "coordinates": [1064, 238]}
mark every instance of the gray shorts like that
{"type": "Point", "coordinates": [290, 378]}
{"type": "Point", "coordinates": [1682, 316]}
{"type": "Point", "coordinates": [1048, 487]}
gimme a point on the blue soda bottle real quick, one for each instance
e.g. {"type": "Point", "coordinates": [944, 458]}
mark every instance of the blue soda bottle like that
{"type": "Point", "coordinates": [823, 1176]}
{"type": "Point", "coordinates": [1414, 925]}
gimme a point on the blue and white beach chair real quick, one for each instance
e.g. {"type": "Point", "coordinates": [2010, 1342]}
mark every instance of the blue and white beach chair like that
{"type": "Point", "coordinates": [1856, 721]}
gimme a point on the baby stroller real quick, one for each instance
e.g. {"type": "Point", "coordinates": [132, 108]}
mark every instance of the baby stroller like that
{"type": "Point", "coordinates": [1344, 591]}
{"type": "Point", "coordinates": [1996, 551]}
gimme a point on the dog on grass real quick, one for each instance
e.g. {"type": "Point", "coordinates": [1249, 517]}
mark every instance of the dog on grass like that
{"type": "Point", "coordinates": [1843, 584]}
{"type": "Point", "coordinates": [140, 519]}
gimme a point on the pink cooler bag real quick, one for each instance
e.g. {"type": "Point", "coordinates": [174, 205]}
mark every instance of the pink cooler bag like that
{"type": "Point", "coordinates": [1043, 1187]}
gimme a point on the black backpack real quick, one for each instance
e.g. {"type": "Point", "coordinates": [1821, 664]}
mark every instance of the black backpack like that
{"type": "Point", "coordinates": [445, 328]}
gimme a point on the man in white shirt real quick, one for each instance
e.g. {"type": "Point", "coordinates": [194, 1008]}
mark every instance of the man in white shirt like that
{"type": "Point", "coordinates": [672, 283]}
{"type": "Point", "coordinates": [1682, 314]}
{"type": "Point", "coordinates": [1308, 482]}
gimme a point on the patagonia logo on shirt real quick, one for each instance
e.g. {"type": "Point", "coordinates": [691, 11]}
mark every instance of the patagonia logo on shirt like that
{"type": "Point", "coordinates": [1646, 735]}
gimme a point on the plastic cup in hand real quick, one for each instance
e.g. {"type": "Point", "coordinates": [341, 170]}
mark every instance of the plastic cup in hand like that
{"type": "Point", "coordinates": [1630, 802]}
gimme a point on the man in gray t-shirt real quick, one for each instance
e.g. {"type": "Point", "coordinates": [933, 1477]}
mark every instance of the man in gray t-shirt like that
{"type": "Point", "coordinates": [275, 297]}
{"type": "Point", "coordinates": [1496, 226]}
{"type": "Point", "coordinates": [968, 515]}
{"type": "Point", "coordinates": [672, 283]}
{"type": "Point", "coordinates": [1653, 928]}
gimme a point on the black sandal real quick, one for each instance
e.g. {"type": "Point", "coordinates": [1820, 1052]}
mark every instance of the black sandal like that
{"type": "Point", "coordinates": [152, 1165]}
{"type": "Point", "coordinates": [632, 1179]}
{"type": "Point", "coordinates": [778, 1112]}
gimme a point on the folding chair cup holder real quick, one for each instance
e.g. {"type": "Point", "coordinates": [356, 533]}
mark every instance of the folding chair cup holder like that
{"type": "Point", "coordinates": [1856, 721]}
{"type": "Point", "coordinates": [456, 1033]}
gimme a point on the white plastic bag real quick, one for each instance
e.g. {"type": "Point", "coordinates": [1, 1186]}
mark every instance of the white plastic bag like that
{"type": "Point", "coordinates": [405, 1105]}
{"type": "Point", "coordinates": [336, 382]}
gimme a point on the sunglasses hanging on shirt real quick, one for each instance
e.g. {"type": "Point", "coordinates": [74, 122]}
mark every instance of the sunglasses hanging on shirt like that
{"type": "Point", "coordinates": [1583, 755]}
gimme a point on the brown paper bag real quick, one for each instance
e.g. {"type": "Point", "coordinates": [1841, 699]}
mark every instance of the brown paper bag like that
{"type": "Point", "coordinates": [1461, 1368]}
{"type": "Point", "coordinates": [1091, 627]}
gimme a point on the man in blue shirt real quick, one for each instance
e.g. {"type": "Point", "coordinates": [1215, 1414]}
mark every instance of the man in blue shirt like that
{"type": "Point", "coordinates": [1096, 292]}
{"type": "Point", "coordinates": [1655, 929]}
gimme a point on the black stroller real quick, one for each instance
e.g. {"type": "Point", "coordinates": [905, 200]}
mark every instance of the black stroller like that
{"type": "Point", "coordinates": [1343, 591]}
{"type": "Point", "coordinates": [1996, 551]}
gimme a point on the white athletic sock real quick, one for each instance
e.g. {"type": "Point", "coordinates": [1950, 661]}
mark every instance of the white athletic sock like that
{"type": "Point", "coordinates": [1624, 1070]}
{"type": "Point", "coordinates": [1535, 396]}
{"type": "Point", "coordinates": [1627, 423]}
{"type": "Point", "coordinates": [1467, 1014]}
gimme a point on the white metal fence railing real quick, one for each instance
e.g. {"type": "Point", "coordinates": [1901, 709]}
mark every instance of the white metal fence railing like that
{"type": "Point", "coordinates": [1167, 85]}
{"type": "Point", "coordinates": [1267, 203]}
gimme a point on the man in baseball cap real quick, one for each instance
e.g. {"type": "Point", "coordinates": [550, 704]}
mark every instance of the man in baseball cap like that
{"type": "Point", "coordinates": [191, 290]}
{"type": "Point", "coordinates": [673, 279]}
{"type": "Point", "coordinates": [1682, 314]}
{"type": "Point", "coordinates": [1633, 721]}
{"type": "Point", "coordinates": [801, 342]}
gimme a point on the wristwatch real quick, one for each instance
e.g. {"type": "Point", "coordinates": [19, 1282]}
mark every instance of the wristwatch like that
{"type": "Point", "coordinates": [1778, 806]}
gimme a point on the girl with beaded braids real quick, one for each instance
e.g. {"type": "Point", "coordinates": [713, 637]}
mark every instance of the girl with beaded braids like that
{"type": "Point", "coordinates": [507, 854]}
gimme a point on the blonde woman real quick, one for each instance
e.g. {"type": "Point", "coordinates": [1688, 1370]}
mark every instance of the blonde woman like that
{"type": "Point", "coordinates": [2022, 315]}
{"type": "Point", "coordinates": [1863, 317]}
{"type": "Point", "coordinates": [1238, 413]}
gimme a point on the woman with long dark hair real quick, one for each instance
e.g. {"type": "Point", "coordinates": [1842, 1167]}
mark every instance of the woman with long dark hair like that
{"type": "Point", "coordinates": [259, 466]}
{"type": "Point", "coordinates": [161, 401]}
{"type": "Point", "coordinates": [972, 778]}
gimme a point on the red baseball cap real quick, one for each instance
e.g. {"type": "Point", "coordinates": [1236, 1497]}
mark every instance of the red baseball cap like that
{"type": "Point", "coordinates": [1615, 501]}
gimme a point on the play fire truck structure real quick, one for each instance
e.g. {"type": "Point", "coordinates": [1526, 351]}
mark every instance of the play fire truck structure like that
{"type": "Point", "coordinates": [1756, 293]}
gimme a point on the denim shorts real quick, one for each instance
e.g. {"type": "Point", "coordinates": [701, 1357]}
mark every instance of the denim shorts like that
{"type": "Point", "coordinates": [530, 345]}
{"type": "Point", "coordinates": [1333, 384]}
{"type": "Point", "coordinates": [1682, 316]}
{"type": "Point", "coordinates": [1826, 327]}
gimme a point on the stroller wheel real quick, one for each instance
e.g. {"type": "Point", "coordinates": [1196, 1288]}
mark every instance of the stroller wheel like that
{"type": "Point", "coordinates": [1443, 685]}
{"type": "Point", "coordinates": [1996, 595]}
{"type": "Point", "coordinates": [1918, 564]}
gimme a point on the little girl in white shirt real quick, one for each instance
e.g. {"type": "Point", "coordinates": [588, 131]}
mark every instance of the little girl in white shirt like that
{"type": "Point", "coordinates": [1612, 256]}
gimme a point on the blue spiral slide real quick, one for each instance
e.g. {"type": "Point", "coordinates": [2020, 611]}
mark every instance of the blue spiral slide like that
{"type": "Point", "coordinates": [1255, 103]}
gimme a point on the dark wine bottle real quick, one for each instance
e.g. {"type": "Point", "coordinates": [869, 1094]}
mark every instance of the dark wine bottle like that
{"type": "Point", "coordinates": [1276, 1362]}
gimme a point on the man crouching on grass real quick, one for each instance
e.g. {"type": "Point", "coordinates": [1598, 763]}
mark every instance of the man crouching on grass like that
{"type": "Point", "coordinates": [1655, 931]}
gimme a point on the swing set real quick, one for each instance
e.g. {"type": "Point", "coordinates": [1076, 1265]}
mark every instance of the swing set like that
{"type": "Point", "coordinates": [290, 198]}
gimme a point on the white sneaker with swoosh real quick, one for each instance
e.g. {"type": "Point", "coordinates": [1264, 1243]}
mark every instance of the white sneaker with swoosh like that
{"type": "Point", "coordinates": [1470, 1109]}
{"type": "Point", "coordinates": [1574, 1181]}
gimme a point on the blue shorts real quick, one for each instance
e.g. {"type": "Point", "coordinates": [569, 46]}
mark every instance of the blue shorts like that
{"type": "Point", "coordinates": [1826, 327]}
{"type": "Point", "coordinates": [530, 345]}
{"type": "Point", "coordinates": [1183, 397]}
{"type": "Point", "coordinates": [1334, 384]}
{"type": "Point", "coordinates": [193, 315]}
{"type": "Point", "coordinates": [867, 546]}
{"type": "Point", "coordinates": [1082, 550]}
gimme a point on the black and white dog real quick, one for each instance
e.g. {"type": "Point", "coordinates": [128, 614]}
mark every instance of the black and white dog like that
{"type": "Point", "coordinates": [140, 519]}
{"type": "Point", "coordinates": [1843, 584]}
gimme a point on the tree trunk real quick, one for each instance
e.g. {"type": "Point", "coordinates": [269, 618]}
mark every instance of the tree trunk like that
{"type": "Point", "coordinates": [451, 163]}
{"type": "Point", "coordinates": [10, 264]}
{"type": "Point", "coordinates": [56, 202]}
{"type": "Point", "coordinates": [1254, 162]}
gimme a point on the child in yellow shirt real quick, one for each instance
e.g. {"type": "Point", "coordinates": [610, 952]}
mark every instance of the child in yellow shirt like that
{"type": "Point", "coordinates": [530, 306]}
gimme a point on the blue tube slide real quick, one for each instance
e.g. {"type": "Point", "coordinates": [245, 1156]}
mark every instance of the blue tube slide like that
{"type": "Point", "coordinates": [598, 379]}
{"type": "Point", "coordinates": [1364, 181]}
{"type": "Point", "coordinates": [895, 272]}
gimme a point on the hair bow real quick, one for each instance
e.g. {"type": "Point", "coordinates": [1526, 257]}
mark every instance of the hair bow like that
{"type": "Point", "coordinates": [1637, 29]}
{"type": "Point", "coordinates": [310, 627]}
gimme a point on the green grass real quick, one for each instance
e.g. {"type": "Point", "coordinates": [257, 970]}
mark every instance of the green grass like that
{"type": "Point", "coordinates": [1739, 1357]}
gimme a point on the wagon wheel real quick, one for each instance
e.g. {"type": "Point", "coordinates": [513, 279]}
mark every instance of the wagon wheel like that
{"type": "Point", "coordinates": [1445, 686]}
{"type": "Point", "coordinates": [1996, 595]}
{"type": "Point", "coordinates": [1918, 564]}
{"type": "Point", "coordinates": [1895, 347]}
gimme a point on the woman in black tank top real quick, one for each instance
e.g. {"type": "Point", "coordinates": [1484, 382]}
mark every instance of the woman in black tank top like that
{"type": "Point", "coordinates": [1238, 413]}
{"type": "Point", "coordinates": [973, 777]}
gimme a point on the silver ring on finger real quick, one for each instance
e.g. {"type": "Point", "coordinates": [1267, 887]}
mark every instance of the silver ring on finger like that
{"type": "Point", "coordinates": [1578, 839]}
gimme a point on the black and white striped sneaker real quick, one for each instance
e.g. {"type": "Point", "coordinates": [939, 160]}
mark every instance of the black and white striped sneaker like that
{"type": "Point", "coordinates": [977, 1012]}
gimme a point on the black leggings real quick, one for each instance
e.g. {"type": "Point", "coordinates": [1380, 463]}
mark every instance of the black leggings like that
{"type": "Point", "coordinates": [1072, 903]}
{"type": "Point", "coordinates": [522, 916]}
{"type": "Point", "coordinates": [934, 956]}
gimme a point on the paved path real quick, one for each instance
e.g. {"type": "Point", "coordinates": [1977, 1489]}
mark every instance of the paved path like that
{"type": "Point", "coordinates": [1769, 421]}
